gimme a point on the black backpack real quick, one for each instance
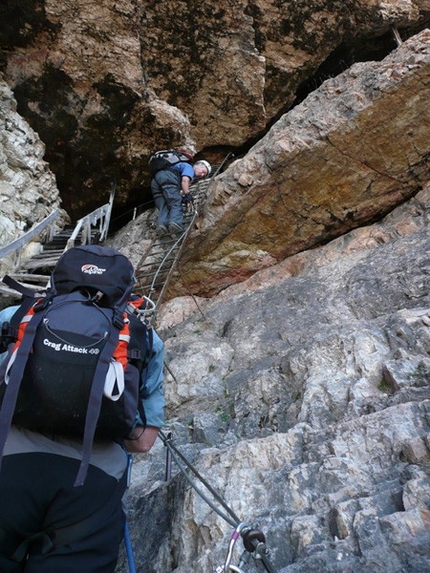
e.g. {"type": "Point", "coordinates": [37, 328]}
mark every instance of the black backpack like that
{"type": "Point", "coordinates": [166, 158]}
{"type": "Point", "coordinates": [76, 353]}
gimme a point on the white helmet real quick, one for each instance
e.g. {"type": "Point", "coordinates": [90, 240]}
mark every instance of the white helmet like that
{"type": "Point", "coordinates": [205, 164]}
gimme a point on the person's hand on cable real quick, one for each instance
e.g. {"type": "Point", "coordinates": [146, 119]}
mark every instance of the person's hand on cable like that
{"type": "Point", "coordinates": [188, 202]}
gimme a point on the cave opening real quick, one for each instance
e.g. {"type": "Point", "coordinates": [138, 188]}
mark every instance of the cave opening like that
{"type": "Point", "coordinates": [359, 49]}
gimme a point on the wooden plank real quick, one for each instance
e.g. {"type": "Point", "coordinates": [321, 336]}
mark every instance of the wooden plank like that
{"type": "Point", "coordinates": [31, 264]}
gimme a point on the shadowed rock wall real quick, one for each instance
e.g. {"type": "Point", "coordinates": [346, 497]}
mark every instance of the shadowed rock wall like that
{"type": "Point", "coordinates": [105, 84]}
{"type": "Point", "coordinates": [28, 190]}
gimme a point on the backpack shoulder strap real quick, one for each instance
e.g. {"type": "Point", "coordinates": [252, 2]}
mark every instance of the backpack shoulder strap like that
{"type": "Point", "coordinates": [95, 402]}
{"type": "Point", "coordinates": [15, 285]}
{"type": "Point", "coordinates": [20, 358]}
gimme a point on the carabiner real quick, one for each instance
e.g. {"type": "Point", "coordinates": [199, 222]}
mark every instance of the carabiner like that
{"type": "Point", "coordinates": [234, 537]}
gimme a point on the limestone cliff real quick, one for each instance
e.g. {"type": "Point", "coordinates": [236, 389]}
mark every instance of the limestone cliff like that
{"type": "Point", "coordinates": [355, 148]}
{"type": "Point", "coordinates": [28, 190]}
{"type": "Point", "coordinates": [302, 395]}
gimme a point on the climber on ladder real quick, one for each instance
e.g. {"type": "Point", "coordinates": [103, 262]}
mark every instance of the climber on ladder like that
{"type": "Point", "coordinates": [171, 173]}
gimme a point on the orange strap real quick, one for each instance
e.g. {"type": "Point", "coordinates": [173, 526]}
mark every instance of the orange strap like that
{"type": "Point", "coordinates": [120, 353]}
{"type": "Point", "coordinates": [23, 325]}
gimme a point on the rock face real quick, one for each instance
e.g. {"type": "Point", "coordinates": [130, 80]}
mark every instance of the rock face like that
{"type": "Point", "coordinates": [355, 148]}
{"type": "Point", "coordinates": [28, 191]}
{"type": "Point", "coordinates": [302, 395]}
{"type": "Point", "coordinates": [104, 84]}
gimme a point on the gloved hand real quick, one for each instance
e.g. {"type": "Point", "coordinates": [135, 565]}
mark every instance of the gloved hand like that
{"type": "Point", "coordinates": [188, 202]}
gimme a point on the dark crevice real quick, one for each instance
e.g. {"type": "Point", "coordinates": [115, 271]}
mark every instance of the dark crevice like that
{"type": "Point", "coordinates": [342, 58]}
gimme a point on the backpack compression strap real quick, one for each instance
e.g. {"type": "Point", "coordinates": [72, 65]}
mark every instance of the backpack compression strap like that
{"type": "Point", "coordinates": [95, 402]}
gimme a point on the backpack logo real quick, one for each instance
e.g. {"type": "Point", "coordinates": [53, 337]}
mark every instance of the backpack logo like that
{"type": "Point", "coordinates": [91, 269]}
{"type": "Point", "coordinates": [64, 347]}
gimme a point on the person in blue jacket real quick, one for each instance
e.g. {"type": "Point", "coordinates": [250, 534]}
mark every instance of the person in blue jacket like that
{"type": "Point", "coordinates": [46, 524]}
{"type": "Point", "coordinates": [168, 187]}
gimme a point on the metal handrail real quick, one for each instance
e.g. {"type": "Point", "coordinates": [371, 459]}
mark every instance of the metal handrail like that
{"type": "Point", "coordinates": [102, 214]}
{"type": "Point", "coordinates": [19, 243]}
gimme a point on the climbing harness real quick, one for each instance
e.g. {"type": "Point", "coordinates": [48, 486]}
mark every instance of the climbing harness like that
{"type": "Point", "coordinates": [145, 312]}
{"type": "Point", "coordinates": [253, 539]}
